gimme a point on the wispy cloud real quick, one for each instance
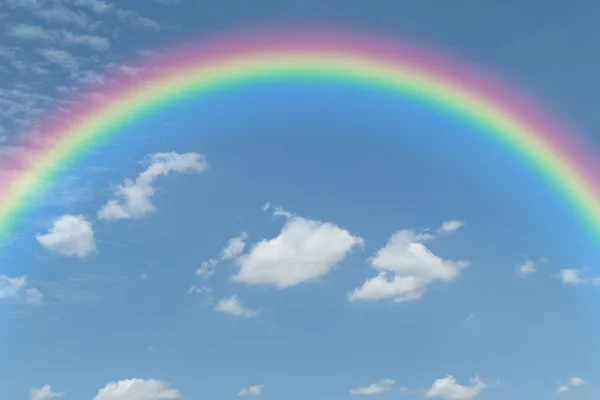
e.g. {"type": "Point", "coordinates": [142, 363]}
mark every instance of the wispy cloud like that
{"type": "Point", "coordinates": [61, 58]}
{"type": "Point", "coordinates": [101, 7]}
{"type": "Point", "coordinates": [62, 37]}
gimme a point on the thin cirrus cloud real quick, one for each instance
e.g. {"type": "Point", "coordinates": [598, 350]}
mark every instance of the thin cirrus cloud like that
{"type": "Point", "coordinates": [132, 199]}
{"type": "Point", "coordinates": [406, 267]}
{"type": "Point", "coordinates": [70, 236]}
{"type": "Point", "coordinates": [305, 250]}
{"type": "Point", "coordinates": [383, 386]}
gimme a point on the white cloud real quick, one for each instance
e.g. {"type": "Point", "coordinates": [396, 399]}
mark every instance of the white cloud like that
{"type": "Point", "coordinates": [202, 292]}
{"type": "Point", "coordinates": [70, 235]}
{"type": "Point", "coordinates": [138, 389]}
{"type": "Point", "coordinates": [43, 393]}
{"type": "Point", "coordinates": [304, 250]}
{"type": "Point", "coordinates": [385, 385]}
{"type": "Point", "coordinates": [133, 197]}
{"type": "Point", "coordinates": [34, 297]}
{"type": "Point", "coordinates": [451, 226]}
{"type": "Point", "coordinates": [448, 389]}
{"type": "Point", "coordinates": [103, 8]}
{"type": "Point", "coordinates": [574, 382]}
{"type": "Point", "coordinates": [11, 288]}
{"type": "Point", "coordinates": [254, 390]}
{"type": "Point", "coordinates": [234, 247]}
{"type": "Point", "coordinates": [97, 43]}
{"type": "Point", "coordinates": [266, 206]}
{"type": "Point", "coordinates": [18, 289]}
{"type": "Point", "coordinates": [31, 32]}
{"type": "Point", "coordinates": [233, 306]}
{"type": "Point", "coordinates": [528, 267]}
{"type": "Point", "coordinates": [207, 268]}
{"type": "Point", "coordinates": [61, 58]}
{"type": "Point", "coordinates": [406, 268]}
{"type": "Point", "coordinates": [571, 277]}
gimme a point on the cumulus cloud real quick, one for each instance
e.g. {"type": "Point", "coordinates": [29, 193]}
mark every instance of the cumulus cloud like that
{"type": "Point", "coordinates": [43, 393]}
{"type": "Point", "coordinates": [71, 236]}
{"type": "Point", "coordinates": [133, 198]}
{"type": "Point", "coordinates": [448, 389]}
{"type": "Point", "coordinates": [18, 289]}
{"type": "Point", "coordinates": [451, 226]}
{"type": "Point", "coordinates": [573, 383]}
{"type": "Point", "coordinates": [234, 247]}
{"type": "Point", "coordinates": [384, 385]}
{"type": "Point", "coordinates": [527, 267]}
{"type": "Point", "coordinates": [254, 390]}
{"type": "Point", "coordinates": [576, 381]}
{"type": "Point", "coordinates": [406, 268]}
{"type": "Point", "coordinates": [34, 297]}
{"type": "Point", "coordinates": [571, 277]}
{"type": "Point", "coordinates": [233, 306]}
{"type": "Point", "coordinates": [304, 251]}
{"type": "Point", "coordinates": [138, 389]}
{"type": "Point", "coordinates": [562, 389]}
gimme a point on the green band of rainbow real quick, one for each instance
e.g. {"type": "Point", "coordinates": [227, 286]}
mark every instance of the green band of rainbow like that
{"type": "Point", "coordinates": [349, 58]}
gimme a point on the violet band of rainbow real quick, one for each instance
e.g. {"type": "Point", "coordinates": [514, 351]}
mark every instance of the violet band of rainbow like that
{"type": "Point", "coordinates": [517, 124]}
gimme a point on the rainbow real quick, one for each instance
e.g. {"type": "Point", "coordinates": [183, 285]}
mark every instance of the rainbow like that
{"type": "Point", "coordinates": [40, 157]}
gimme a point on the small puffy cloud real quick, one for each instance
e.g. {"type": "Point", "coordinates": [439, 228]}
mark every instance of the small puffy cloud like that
{"type": "Point", "coordinates": [304, 251]}
{"type": "Point", "coordinates": [11, 287]}
{"type": "Point", "coordinates": [267, 206]}
{"type": "Point", "coordinates": [571, 277]}
{"type": "Point", "coordinates": [34, 297]}
{"type": "Point", "coordinates": [385, 385]}
{"type": "Point", "coordinates": [71, 236]}
{"type": "Point", "coordinates": [43, 393]}
{"type": "Point", "coordinates": [406, 267]}
{"type": "Point", "coordinates": [199, 290]}
{"type": "Point", "coordinates": [450, 226]}
{"type": "Point", "coordinates": [138, 389]}
{"type": "Point", "coordinates": [233, 306]}
{"type": "Point", "coordinates": [18, 289]}
{"type": "Point", "coordinates": [234, 248]}
{"type": "Point", "coordinates": [573, 383]}
{"type": "Point", "coordinates": [254, 390]}
{"type": "Point", "coordinates": [207, 268]}
{"type": "Point", "coordinates": [527, 267]}
{"type": "Point", "coordinates": [576, 381]}
{"type": "Point", "coordinates": [448, 389]}
{"type": "Point", "coordinates": [132, 198]}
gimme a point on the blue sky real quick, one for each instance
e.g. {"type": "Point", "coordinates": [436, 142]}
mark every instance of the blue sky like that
{"type": "Point", "coordinates": [298, 241]}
